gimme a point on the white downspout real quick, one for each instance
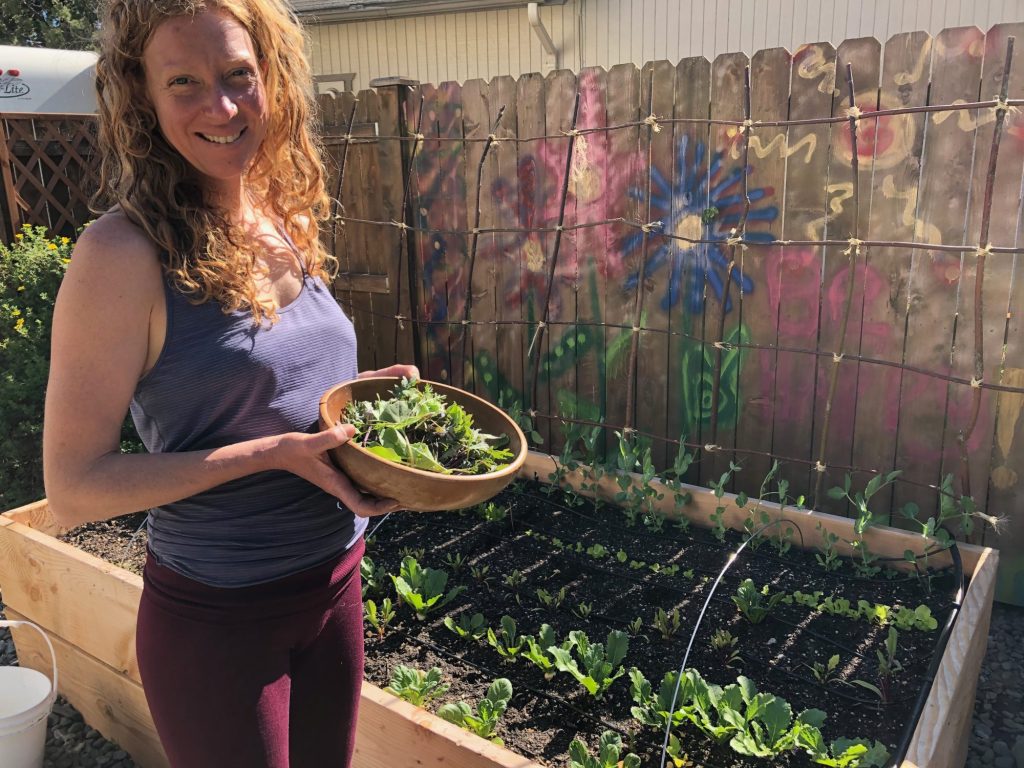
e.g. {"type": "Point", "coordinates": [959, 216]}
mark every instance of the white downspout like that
{"type": "Point", "coordinates": [551, 52]}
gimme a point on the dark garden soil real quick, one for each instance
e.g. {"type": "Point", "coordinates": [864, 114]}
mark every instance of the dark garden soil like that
{"type": "Point", "coordinates": [544, 716]}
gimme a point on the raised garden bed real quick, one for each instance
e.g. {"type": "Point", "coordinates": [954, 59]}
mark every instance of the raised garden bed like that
{"type": "Point", "coordinates": [89, 607]}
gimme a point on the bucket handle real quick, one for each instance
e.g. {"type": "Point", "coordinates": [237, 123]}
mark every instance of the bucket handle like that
{"type": "Point", "coordinates": [53, 657]}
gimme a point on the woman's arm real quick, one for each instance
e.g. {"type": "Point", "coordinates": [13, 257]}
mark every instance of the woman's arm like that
{"type": "Point", "coordinates": [100, 347]}
{"type": "Point", "coordinates": [398, 369]}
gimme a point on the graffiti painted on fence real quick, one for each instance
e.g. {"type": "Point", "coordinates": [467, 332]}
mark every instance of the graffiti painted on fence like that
{"type": "Point", "coordinates": [701, 203]}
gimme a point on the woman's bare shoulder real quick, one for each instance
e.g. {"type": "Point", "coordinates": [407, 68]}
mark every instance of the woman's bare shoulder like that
{"type": "Point", "coordinates": [115, 234]}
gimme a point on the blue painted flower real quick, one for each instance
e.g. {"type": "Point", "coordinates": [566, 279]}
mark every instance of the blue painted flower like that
{"type": "Point", "coordinates": [703, 203]}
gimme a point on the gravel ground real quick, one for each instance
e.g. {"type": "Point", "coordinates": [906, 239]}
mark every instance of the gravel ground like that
{"type": "Point", "coordinates": [997, 738]}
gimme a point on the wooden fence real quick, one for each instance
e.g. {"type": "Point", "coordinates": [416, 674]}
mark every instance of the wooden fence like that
{"type": "Point", "coordinates": [760, 274]}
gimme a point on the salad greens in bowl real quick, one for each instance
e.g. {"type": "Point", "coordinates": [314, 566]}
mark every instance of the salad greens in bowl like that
{"type": "Point", "coordinates": [427, 445]}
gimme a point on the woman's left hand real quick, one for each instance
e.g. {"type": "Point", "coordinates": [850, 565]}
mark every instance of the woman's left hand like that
{"type": "Point", "coordinates": [398, 369]}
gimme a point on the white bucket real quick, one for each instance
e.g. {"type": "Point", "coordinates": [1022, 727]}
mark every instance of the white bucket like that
{"type": "Point", "coordinates": [26, 698]}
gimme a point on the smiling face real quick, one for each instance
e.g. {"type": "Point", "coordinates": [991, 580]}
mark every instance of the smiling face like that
{"type": "Point", "coordinates": [204, 82]}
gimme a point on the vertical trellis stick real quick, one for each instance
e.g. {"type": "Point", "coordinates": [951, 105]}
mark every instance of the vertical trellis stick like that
{"type": "Point", "coordinates": [467, 315]}
{"type": "Point", "coordinates": [336, 201]}
{"type": "Point", "coordinates": [638, 299]}
{"type": "Point", "coordinates": [403, 242]}
{"type": "Point", "coordinates": [979, 276]}
{"type": "Point", "coordinates": [536, 343]}
{"type": "Point", "coordinates": [853, 251]}
{"type": "Point", "coordinates": [735, 246]}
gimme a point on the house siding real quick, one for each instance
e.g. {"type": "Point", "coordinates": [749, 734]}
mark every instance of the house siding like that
{"type": "Point", "coordinates": [485, 44]}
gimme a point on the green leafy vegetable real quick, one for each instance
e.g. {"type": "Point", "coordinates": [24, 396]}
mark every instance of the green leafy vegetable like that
{"type": "Point", "coordinates": [416, 686]}
{"type": "Point", "coordinates": [489, 710]}
{"type": "Point", "coordinates": [418, 428]}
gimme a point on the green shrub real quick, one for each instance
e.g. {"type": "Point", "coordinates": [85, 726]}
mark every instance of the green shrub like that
{"type": "Point", "coordinates": [31, 270]}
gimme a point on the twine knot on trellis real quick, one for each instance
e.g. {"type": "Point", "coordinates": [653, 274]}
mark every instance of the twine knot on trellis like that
{"type": "Point", "coordinates": [984, 250]}
{"type": "Point", "coordinates": [1004, 104]}
{"type": "Point", "coordinates": [532, 413]}
{"type": "Point", "coordinates": [495, 138]}
{"type": "Point", "coordinates": [976, 383]}
{"type": "Point", "coordinates": [652, 121]}
{"type": "Point", "coordinates": [735, 239]}
{"type": "Point", "coordinates": [723, 345]}
{"type": "Point", "coordinates": [854, 113]}
{"type": "Point", "coordinates": [837, 357]}
{"type": "Point", "coordinates": [653, 226]}
{"type": "Point", "coordinates": [819, 467]}
{"type": "Point", "coordinates": [637, 328]}
{"type": "Point", "coordinates": [572, 133]}
{"type": "Point", "coordinates": [401, 321]}
{"type": "Point", "coordinates": [418, 137]}
{"type": "Point", "coordinates": [347, 138]}
{"type": "Point", "coordinates": [711, 447]}
{"type": "Point", "coordinates": [748, 124]}
{"type": "Point", "coordinates": [855, 245]}
{"type": "Point", "coordinates": [400, 224]}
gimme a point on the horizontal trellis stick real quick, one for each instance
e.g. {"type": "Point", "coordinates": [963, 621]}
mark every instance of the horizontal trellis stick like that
{"type": "Point", "coordinates": [655, 227]}
{"type": "Point", "coordinates": [654, 119]}
{"type": "Point", "coordinates": [731, 345]}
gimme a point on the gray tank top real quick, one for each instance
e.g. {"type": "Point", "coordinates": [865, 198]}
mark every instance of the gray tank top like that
{"type": "Point", "coordinates": [220, 380]}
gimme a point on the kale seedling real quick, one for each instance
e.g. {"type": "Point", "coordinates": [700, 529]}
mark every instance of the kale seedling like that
{"type": "Point", "coordinates": [608, 754]}
{"type": "Point", "coordinates": [415, 686]}
{"type": "Point", "coordinates": [422, 589]}
{"type": "Point", "coordinates": [549, 601]}
{"type": "Point", "coordinates": [484, 721]}
{"type": "Point", "coordinates": [417, 427]}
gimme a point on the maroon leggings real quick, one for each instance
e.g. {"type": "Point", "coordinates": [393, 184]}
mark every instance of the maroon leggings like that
{"type": "Point", "coordinates": [258, 676]}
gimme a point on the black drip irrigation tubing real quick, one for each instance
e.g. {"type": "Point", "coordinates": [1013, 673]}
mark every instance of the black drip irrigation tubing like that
{"type": "Point", "coordinates": [936, 659]}
{"type": "Point", "coordinates": [492, 674]}
{"type": "Point", "coordinates": [554, 699]}
{"type": "Point", "coordinates": [833, 691]}
{"type": "Point", "coordinates": [589, 565]}
{"type": "Point", "coordinates": [795, 563]}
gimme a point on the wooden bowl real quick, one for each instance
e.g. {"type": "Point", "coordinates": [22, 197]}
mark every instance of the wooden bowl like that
{"type": "Point", "coordinates": [417, 489]}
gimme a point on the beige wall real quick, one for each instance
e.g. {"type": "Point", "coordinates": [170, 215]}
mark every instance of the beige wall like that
{"type": "Point", "coordinates": [462, 46]}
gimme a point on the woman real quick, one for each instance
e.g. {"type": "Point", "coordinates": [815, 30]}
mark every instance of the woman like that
{"type": "Point", "coordinates": [198, 302]}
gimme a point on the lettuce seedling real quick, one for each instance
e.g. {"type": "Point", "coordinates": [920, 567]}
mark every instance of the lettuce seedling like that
{"type": "Point", "coordinates": [536, 650]}
{"type": "Point", "coordinates": [489, 710]}
{"type": "Point", "coordinates": [506, 642]}
{"type": "Point", "coordinates": [372, 577]}
{"type": "Point", "coordinates": [608, 754]}
{"type": "Point", "coordinates": [419, 428]}
{"type": "Point", "coordinates": [468, 626]}
{"type": "Point", "coordinates": [653, 710]}
{"type": "Point", "coordinates": [415, 686]}
{"type": "Point", "coordinates": [599, 661]}
{"type": "Point", "coordinates": [422, 589]}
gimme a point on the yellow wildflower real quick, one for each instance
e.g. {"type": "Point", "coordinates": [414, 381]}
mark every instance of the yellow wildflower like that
{"type": "Point", "coordinates": [52, 246]}
{"type": "Point", "coordinates": [65, 240]}
{"type": "Point", "coordinates": [19, 236]}
{"type": "Point", "coordinates": [15, 312]}
{"type": "Point", "coordinates": [20, 324]}
{"type": "Point", "coordinates": [65, 261]}
{"type": "Point", "coordinates": [21, 287]}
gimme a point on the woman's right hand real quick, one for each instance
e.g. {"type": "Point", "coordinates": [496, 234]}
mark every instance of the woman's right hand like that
{"type": "Point", "coordinates": [305, 455]}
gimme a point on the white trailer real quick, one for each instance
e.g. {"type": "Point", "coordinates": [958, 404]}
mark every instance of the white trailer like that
{"type": "Point", "coordinates": [47, 80]}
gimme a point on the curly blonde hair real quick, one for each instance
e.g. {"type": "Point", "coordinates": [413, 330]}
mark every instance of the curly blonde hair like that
{"type": "Point", "coordinates": [203, 254]}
